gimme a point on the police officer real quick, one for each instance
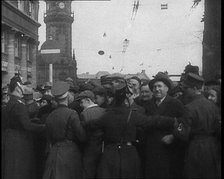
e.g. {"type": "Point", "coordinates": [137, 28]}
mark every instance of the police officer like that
{"type": "Point", "coordinates": [18, 153]}
{"type": "Point", "coordinates": [64, 131]}
{"type": "Point", "coordinates": [203, 122]}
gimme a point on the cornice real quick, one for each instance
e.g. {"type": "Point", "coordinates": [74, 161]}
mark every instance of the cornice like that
{"type": "Point", "coordinates": [20, 13]}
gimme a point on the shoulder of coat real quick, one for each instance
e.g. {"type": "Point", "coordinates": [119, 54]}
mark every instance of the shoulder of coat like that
{"type": "Point", "coordinates": [72, 111]}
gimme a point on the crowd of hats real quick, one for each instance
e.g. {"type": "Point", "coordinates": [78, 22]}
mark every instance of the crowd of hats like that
{"type": "Point", "coordinates": [189, 78]}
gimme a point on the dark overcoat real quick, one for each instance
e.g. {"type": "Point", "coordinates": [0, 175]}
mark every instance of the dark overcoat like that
{"type": "Point", "coordinates": [18, 152]}
{"type": "Point", "coordinates": [64, 131]}
{"type": "Point", "coordinates": [33, 109]}
{"type": "Point", "coordinates": [40, 141]}
{"type": "Point", "coordinates": [118, 159]}
{"type": "Point", "coordinates": [163, 160]}
{"type": "Point", "coordinates": [92, 148]}
{"type": "Point", "coordinates": [140, 135]}
{"type": "Point", "coordinates": [202, 155]}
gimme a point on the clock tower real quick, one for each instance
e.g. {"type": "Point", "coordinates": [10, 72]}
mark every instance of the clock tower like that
{"type": "Point", "coordinates": [58, 19]}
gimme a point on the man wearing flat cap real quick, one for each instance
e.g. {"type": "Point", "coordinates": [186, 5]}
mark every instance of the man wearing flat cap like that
{"type": "Point", "coordinates": [164, 153]}
{"type": "Point", "coordinates": [18, 153]}
{"type": "Point", "coordinates": [64, 132]}
{"type": "Point", "coordinates": [31, 104]}
{"type": "Point", "coordinates": [106, 81]}
{"type": "Point", "coordinates": [73, 87]}
{"type": "Point", "coordinates": [134, 84]}
{"type": "Point", "coordinates": [200, 130]}
{"type": "Point", "coordinates": [101, 96]}
{"type": "Point", "coordinates": [92, 148]}
{"type": "Point", "coordinates": [47, 88]}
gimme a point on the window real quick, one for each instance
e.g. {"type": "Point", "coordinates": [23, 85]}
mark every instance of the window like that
{"type": "Point", "coordinates": [21, 5]}
{"type": "Point", "coordinates": [16, 47]}
{"type": "Point", "coordinates": [30, 7]}
{"type": "Point", "coordinates": [164, 6]}
{"type": "Point", "coordinates": [3, 42]}
{"type": "Point", "coordinates": [28, 52]}
{"type": "Point", "coordinates": [31, 12]}
{"type": "Point", "coordinates": [47, 6]}
{"type": "Point", "coordinates": [30, 55]}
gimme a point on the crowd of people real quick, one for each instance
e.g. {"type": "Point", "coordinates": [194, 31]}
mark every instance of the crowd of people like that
{"type": "Point", "coordinates": [122, 128]}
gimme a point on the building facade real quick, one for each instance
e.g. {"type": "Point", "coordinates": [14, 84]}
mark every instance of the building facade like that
{"type": "Point", "coordinates": [19, 39]}
{"type": "Point", "coordinates": [212, 40]}
{"type": "Point", "coordinates": [58, 19]}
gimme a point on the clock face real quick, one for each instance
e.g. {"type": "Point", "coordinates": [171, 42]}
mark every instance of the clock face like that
{"type": "Point", "coordinates": [61, 5]}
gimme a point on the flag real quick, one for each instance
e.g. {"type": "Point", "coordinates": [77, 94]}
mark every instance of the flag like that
{"type": "Point", "coordinates": [164, 6]}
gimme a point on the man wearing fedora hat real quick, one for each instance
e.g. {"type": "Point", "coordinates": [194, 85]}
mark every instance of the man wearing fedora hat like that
{"type": "Point", "coordinates": [18, 153]}
{"type": "Point", "coordinates": [201, 131]}
{"type": "Point", "coordinates": [64, 132]}
{"type": "Point", "coordinates": [164, 153]}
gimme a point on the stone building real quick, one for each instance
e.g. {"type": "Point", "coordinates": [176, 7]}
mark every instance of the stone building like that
{"type": "Point", "coordinates": [58, 45]}
{"type": "Point", "coordinates": [19, 39]}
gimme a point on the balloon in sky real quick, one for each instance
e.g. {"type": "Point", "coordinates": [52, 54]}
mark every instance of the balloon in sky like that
{"type": "Point", "coordinates": [101, 52]}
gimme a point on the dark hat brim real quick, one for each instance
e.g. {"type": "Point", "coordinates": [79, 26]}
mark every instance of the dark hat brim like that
{"type": "Point", "coordinates": [136, 78]}
{"type": "Point", "coordinates": [193, 80]}
{"type": "Point", "coordinates": [167, 82]}
{"type": "Point", "coordinates": [78, 98]}
{"type": "Point", "coordinates": [47, 88]}
{"type": "Point", "coordinates": [59, 88]}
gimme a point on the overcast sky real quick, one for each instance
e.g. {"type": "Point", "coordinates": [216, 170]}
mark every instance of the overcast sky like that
{"type": "Point", "coordinates": [159, 40]}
